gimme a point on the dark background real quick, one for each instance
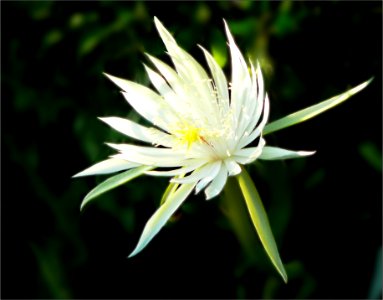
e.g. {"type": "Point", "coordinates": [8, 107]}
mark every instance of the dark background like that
{"type": "Point", "coordinates": [325, 210]}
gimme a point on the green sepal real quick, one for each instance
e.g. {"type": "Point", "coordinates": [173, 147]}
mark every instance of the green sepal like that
{"type": "Point", "coordinates": [260, 220]}
{"type": "Point", "coordinates": [113, 182]}
{"type": "Point", "coordinates": [314, 110]}
{"type": "Point", "coordinates": [172, 187]}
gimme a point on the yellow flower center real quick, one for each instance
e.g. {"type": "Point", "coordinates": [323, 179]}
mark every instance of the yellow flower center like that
{"type": "Point", "coordinates": [188, 134]}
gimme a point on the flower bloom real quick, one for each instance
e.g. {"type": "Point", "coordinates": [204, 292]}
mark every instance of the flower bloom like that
{"type": "Point", "coordinates": [204, 129]}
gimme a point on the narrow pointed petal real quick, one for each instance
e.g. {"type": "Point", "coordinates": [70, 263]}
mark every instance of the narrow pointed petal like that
{"type": "Point", "coordinates": [159, 83]}
{"type": "Point", "coordinates": [177, 172]}
{"type": "Point", "coordinates": [170, 75]}
{"type": "Point", "coordinates": [146, 160]}
{"type": "Point", "coordinates": [113, 182]}
{"type": "Point", "coordinates": [136, 131]}
{"type": "Point", "coordinates": [161, 157]}
{"type": "Point", "coordinates": [219, 80]}
{"type": "Point", "coordinates": [260, 221]}
{"type": "Point", "coordinates": [254, 105]}
{"type": "Point", "coordinates": [206, 180]}
{"type": "Point", "coordinates": [240, 78]}
{"type": "Point", "coordinates": [272, 153]}
{"type": "Point", "coordinates": [166, 37]}
{"type": "Point", "coordinates": [314, 110]}
{"type": "Point", "coordinates": [258, 104]}
{"type": "Point", "coordinates": [162, 215]}
{"type": "Point", "coordinates": [166, 91]}
{"type": "Point", "coordinates": [151, 151]}
{"type": "Point", "coordinates": [188, 69]}
{"type": "Point", "coordinates": [248, 138]}
{"type": "Point", "coordinates": [108, 166]}
{"type": "Point", "coordinates": [216, 186]}
{"type": "Point", "coordinates": [171, 189]}
{"type": "Point", "coordinates": [205, 171]}
{"type": "Point", "coordinates": [146, 102]}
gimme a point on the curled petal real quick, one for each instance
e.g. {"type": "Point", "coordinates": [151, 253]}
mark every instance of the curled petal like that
{"type": "Point", "coordinates": [248, 155]}
{"type": "Point", "coordinates": [217, 184]}
{"type": "Point", "coordinates": [232, 167]}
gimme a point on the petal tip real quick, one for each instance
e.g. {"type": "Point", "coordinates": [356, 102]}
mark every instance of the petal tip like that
{"type": "Point", "coordinates": [103, 119]}
{"type": "Point", "coordinates": [110, 77]}
{"type": "Point", "coordinates": [76, 175]}
{"type": "Point", "coordinates": [306, 153]}
{"type": "Point", "coordinates": [83, 173]}
{"type": "Point", "coordinates": [134, 253]}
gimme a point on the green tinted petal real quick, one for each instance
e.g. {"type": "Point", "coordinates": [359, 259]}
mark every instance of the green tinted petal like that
{"type": "Point", "coordinates": [113, 182]}
{"type": "Point", "coordinates": [271, 153]}
{"type": "Point", "coordinates": [312, 111]}
{"type": "Point", "coordinates": [260, 220]}
{"type": "Point", "coordinates": [162, 215]}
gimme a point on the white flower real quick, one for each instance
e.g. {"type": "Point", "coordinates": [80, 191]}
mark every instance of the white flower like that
{"type": "Point", "coordinates": [203, 127]}
{"type": "Point", "coordinates": [204, 130]}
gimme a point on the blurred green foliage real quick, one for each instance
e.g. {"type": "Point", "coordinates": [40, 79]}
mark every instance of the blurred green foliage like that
{"type": "Point", "coordinates": [325, 211]}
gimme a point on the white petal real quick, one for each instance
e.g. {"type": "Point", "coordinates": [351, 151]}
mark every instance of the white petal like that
{"type": "Point", "coordinates": [248, 155]}
{"type": "Point", "coordinates": [262, 98]}
{"type": "Point", "coordinates": [176, 172]}
{"type": "Point", "coordinates": [270, 153]}
{"type": "Point", "coordinates": [161, 216]}
{"type": "Point", "coordinates": [136, 131]}
{"type": "Point", "coordinates": [217, 184]}
{"type": "Point", "coordinates": [256, 106]}
{"type": "Point", "coordinates": [147, 160]}
{"type": "Point", "coordinates": [203, 172]}
{"type": "Point", "coordinates": [247, 139]}
{"type": "Point", "coordinates": [219, 80]}
{"type": "Point", "coordinates": [232, 167]}
{"type": "Point", "coordinates": [206, 180]}
{"type": "Point", "coordinates": [164, 89]}
{"type": "Point", "coordinates": [160, 157]}
{"type": "Point", "coordinates": [170, 75]}
{"type": "Point", "coordinates": [160, 84]}
{"type": "Point", "coordinates": [146, 102]}
{"type": "Point", "coordinates": [240, 78]}
{"type": "Point", "coordinates": [152, 151]}
{"type": "Point", "coordinates": [189, 70]}
{"type": "Point", "coordinates": [165, 35]}
{"type": "Point", "coordinates": [107, 166]}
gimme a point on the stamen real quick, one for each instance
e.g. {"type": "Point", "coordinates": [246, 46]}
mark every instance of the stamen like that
{"type": "Point", "coordinates": [187, 134]}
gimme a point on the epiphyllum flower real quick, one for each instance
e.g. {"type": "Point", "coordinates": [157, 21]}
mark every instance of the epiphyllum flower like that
{"type": "Point", "coordinates": [203, 131]}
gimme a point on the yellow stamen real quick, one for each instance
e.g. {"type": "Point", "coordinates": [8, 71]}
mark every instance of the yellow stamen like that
{"type": "Point", "coordinates": [188, 134]}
